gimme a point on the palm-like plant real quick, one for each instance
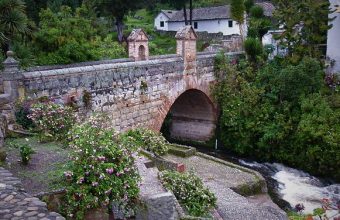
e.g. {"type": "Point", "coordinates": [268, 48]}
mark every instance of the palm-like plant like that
{"type": "Point", "coordinates": [13, 21]}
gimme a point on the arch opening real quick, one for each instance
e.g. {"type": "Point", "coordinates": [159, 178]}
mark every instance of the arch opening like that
{"type": "Point", "coordinates": [141, 52]}
{"type": "Point", "coordinates": [192, 117]}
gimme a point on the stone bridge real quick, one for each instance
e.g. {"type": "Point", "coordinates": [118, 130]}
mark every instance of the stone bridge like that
{"type": "Point", "coordinates": [137, 91]}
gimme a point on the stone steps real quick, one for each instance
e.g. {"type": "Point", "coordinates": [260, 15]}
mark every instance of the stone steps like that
{"type": "Point", "coordinates": [16, 204]}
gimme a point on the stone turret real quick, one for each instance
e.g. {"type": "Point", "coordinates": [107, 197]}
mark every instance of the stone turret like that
{"type": "Point", "coordinates": [138, 45]}
{"type": "Point", "coordinates": [11, 76]}
{"type": "Point", "coordinates": [186, 47]}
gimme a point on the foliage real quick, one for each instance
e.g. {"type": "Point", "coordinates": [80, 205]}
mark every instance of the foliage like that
{"type": "Point", "coordinates": [253, 48]}
{"type": "Point", "coordinates": [102, 171]}
{"type": "Point", "coordinates": [34, 6]}
{"type": "Point", "coordinates": [259, 24]}
{"type": "Point", "coordinates": [248, 4]}
{"type": "Point", "coordinates": [149, 140]}
{"type": "Point", "coordinates": [106, 49]}
{"type": "Point", "coordinates": [328, 207]}
{"type": "Point", "coordinates": [189, 190]}
{"type": "Point", "coordinates": [13, 21]}
{"type": "Point", "coordinates": [256, 11]}
{"type": "Point", "coordinates": [67, 37]}
{"type": "Point", "coordinates": [87, 99]}
{"type": "Point", "coordinates": [305, 24]}
{"type": "Point", "coordinates": [24, 53]}
{"type": "Point", "coordinates": [52, 120]}
{"type": "Point", "coordinates": [25, 152]}
{"type": "Point", "coordinates": [22, 112]}
{"type": "Point", "coordinates": [237, 9]}
{"type": "Point", "coordinates": [280, 113]}
{"type": "Point", "coordinates": [119, 9]}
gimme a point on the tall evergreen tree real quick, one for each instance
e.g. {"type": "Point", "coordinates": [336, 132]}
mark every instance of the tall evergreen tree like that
{"type": "Point", "coordinates": [248, 5]}
{"type": "Point", "coordinates": [238, 13]}
{"type": "Point", "coordinates": [118, 9]}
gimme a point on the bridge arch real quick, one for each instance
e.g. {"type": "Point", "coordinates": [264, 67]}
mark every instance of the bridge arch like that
{"type": "Point", "coordinates": [192, 116]}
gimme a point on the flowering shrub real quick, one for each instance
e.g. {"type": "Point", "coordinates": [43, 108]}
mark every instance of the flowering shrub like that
{"type": "Point", "coordinates": [103, 170]}
{"type": "Point", "coordinates": [52, 120]}
{"type": "Point", "coordinates": [149, 140]}
{"type": "Point", "coordinates": [189, 190]}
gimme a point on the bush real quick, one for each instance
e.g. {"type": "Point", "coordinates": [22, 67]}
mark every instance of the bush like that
{"type": "Point", "coordinates": [22, 114]}
{"type": "Point", "coordinates": [102, 170]}
{"type": "Point", "coordinates": [52, 120]}
{"type": "Point", "coordinates": [106, 49]}
{"type": "Point", "coordinates": [253, 48]}
{"type": "Point", "coordinates": [256, 11]}
{"type": "Point", "coordinates": [25, 152]}
{"type": "Point", "coordinates": [189, 190]}
{"type": "Point", "coordinates": [149, 140]}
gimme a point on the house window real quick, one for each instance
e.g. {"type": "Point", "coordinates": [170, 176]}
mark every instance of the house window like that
{"type": "Point", "coordinates": [230, 23]}
{"type": "Point", "coordinates": [162, 24]}
{"type": "Point", "coordinates": [195, 24]}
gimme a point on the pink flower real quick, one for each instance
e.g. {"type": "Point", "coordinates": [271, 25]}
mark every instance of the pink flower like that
{"type": "Point", "coordinates": [68, 174]}
{"type": "Point", "coordinates": [81, 180]}
{"type": "Point", "coordinates": [94, 184]}
{"type": "Point", "coordinates": [109, 171]}
{"type": "Point", "coordinates": [101, 158]}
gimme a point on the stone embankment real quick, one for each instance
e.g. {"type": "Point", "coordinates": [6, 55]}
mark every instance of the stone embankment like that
{"type": "Point", "coordinates": [224, 180]}
{"type": "Point", "coordinates": [16, 204]}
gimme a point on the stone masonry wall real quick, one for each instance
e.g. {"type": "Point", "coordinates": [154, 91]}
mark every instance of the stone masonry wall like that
{"type": "Point", "coordinates": [133, 93]}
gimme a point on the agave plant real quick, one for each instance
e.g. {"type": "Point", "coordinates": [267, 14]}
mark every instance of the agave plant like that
{"type": "Point", "coordinates": [13, 21]}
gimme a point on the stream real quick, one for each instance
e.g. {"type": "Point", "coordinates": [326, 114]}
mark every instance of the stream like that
{"type": "Point", "coordinates": [288, 186]}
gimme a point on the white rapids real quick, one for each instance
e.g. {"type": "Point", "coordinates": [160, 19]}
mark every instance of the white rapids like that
{"type": "Point", "coordinates": [296, 186]}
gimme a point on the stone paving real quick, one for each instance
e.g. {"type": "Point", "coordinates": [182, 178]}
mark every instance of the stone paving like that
{"type": "Point", "coordinates": [16, 204]}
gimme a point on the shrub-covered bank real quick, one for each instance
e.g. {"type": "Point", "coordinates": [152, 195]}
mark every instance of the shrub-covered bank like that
{"type": "Point", "coordinates": [280, 111]}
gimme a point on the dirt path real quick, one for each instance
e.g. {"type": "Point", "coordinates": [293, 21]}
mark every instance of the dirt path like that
{"type": "Point", "coordinates": [45, 169]}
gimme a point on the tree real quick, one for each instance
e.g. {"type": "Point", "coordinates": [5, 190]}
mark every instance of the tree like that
{"type": "Point", "coordinates": [253, 48]}
{"type": "Point", "coordinates": [181, 5]}
{"type": "Point", "coordinates": [35, 6]}
{"type": "Point", "coordinates": [13, 22]}
{"type": "Point", "coordinates": [118, 9]}
{"type": "Point", "coordinates": [190, 12]}
{"type": "Point", "coordinates": [259, 24]}
{"type": "Point", "coordinates": [237, 13]}
{"type": "Point", "coordinates": [305, 25]}
{"type": "Point", "coordinates": [248, 4]}
{"type": "Point", "coordinates": [67, 37]}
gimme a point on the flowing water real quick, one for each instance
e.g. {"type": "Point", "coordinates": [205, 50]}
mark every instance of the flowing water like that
{"type": "Point", "coordinates": [289, 187]}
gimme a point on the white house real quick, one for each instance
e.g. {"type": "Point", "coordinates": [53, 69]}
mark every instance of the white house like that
{"type": "Point", "coordinates": [333, 38]}
{"type": "Point", "coordinates": [211, 19]}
